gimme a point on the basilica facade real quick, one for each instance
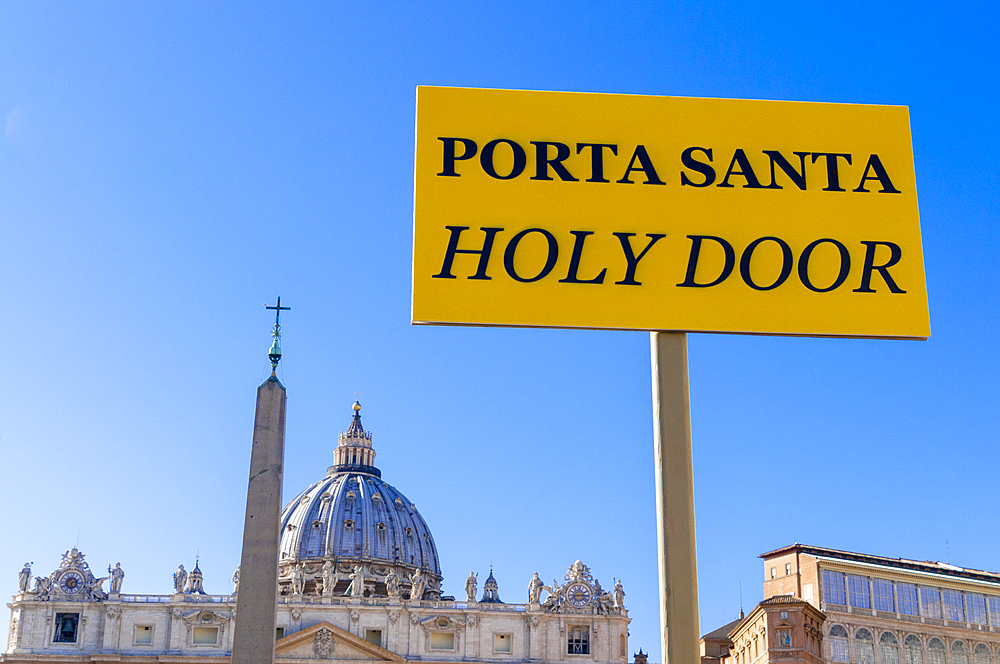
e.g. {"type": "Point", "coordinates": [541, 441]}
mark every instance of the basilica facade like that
{"type": "Point", "coordinates": [359, 580]}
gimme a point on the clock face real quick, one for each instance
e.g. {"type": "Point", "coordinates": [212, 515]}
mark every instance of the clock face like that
{"type": "Point", "coordinates": [578, 595]}
{"type": "Point", "coordinates": [71, 583]}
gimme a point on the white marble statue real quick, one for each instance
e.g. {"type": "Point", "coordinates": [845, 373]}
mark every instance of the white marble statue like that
{"type": "Point", "coordinates": [534, 589]}
{"type": "Point", "coordinates": [24, 578]}
{"type": "Point", "coordinates": [43, 584]}
{"type": "Point", "coordinates": [418, 585]}
{"type": "Point", "coordinates": [298, 579]}
{"type": "Point", "coordinates": [180, 579]}
{"type": "Point", "coordinates": [619, 594]}
{"type": "Point", "coordinates": [329, 579]}
{"type": "Point", "coordinates": [392, 585]}
{"type": "Point", "coordinates": [470, 587]}
{"type": "Point", "coordinates": [96, 589]}
{"type": "Point", "coordinates": [236, 580]}
{"type": "Point", "coordinates": [117, 576]}
{"type": "Point", "coordinates": [357, 587]}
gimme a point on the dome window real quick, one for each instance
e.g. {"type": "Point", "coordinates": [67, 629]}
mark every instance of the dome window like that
{"type": "Point", "coordinates": [409, 531]}
{"type": "Point", "coordinates": [291, 526]}
{"type": "Point", "coordinates": [376, 498]}
{"type": "Point", "coordinates": [350, 496]}
{"type": "Point", "coordinates": [380, 526]}
{"type": "Point", "coordinates": [348, 524]}
{"type": "Point", "coordinates": [317, 523]}
{"type": "Point", "coordinates": [326, 497]}
{"type": "Point", "coordinates": [399, 503]}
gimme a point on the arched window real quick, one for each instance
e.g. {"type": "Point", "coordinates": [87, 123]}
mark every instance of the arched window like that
{"type": "Point", "coordinates": [839, 650]}
{"type": "Point", "coordinates": [864, 645]}
{"type": "Point", "coordinates": [959, 653]}
{"type": "Point", "coordinates": [935, 651]}
{"type": "Point", "coordinates": [982, 654]}
{"type": "Point", "coordinates": [913, 650]}
{"type": "Point", "coordinates": [889, 648]}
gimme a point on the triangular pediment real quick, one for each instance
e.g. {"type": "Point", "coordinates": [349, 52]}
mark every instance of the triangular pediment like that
{"type": "Point", "coordinates": [327, 642]}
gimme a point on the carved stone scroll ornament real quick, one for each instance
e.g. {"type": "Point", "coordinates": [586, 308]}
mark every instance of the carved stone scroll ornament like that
{"type": "Point", "coordinates": [296, 614]}
{"type": "Point", "coordinates": [393, 617]}
{"type": "Point", "coordinates": [323, 644]}
{"type": "Point", "coordinates": [43, 585]}
{"type": "Point", "coordinates": [355, 615]}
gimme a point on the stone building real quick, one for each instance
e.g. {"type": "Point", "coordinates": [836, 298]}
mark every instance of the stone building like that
{"type": "Point", "coordinates": [865, 609]}
{"type": "Point", "coordinates": [359, 580]}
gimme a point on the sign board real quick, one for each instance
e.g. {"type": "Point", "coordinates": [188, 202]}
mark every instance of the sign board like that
{"type": "Point", "coordinates": [553, 209]}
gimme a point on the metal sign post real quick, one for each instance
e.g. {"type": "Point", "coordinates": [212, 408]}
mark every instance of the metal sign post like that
{"type": "Point", "coordinates": [675, 531]}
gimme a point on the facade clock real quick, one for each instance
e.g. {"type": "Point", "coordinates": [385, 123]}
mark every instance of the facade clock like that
{"type": "Point", "coordinates": [578, 595]}
{"type": "Point", "coordinates": [71, 583]}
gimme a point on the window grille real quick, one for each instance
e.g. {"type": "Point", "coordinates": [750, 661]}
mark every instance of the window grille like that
{"type": "Point", "coordinates": [579, 641]}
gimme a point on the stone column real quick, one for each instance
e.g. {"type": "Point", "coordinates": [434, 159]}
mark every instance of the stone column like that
{"type": "Point", "coordinates": [256, 602]}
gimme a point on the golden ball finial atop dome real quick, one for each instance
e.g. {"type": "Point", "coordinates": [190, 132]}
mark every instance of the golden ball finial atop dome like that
{"type": "Point", "coordinates": [356, 406]}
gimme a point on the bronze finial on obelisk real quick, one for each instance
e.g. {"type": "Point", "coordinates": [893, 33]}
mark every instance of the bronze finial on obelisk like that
{"type": "Point", "coordinates": [257, 598]}
{"type": "Point", "coordinates": [275, 353]}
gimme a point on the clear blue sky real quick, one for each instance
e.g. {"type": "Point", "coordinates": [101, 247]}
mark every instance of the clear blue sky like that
{"type": "Point", "coordinates": [166, 168]}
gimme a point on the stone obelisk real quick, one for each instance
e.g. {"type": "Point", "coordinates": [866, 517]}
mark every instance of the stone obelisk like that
{"type": "Point", "coordinates": [256, 599]}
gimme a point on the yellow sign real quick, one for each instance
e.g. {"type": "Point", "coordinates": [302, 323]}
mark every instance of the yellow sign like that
{"type": "Point", "coordinates": [553, 209]}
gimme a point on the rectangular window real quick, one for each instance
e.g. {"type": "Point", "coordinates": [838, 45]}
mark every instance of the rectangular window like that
{"type": "Point", "coordinates": [834, 590]}
{"type": "Point", "coordinates": [66, 624]}
{"type": "Point", "coordinates": [774, 572]}
{"type": "Point", "coordinates": [995, 611]}
{"type": "Point", "coordinates": [279, 633]}
{"type": "Point", "coordinates": [442, 640]}
{"type": "Point", "coordinates": [884, 599]}
{"type": "Point", "coordinates": [930, 602]}
{"type": "Point", "coordinates": [906, 598]}
{"type": "Point", "coordinates": [143, 635]}
{"type": "Point", "coordinates": [977, 608]}
{"type": "Point", "coordinates": [501, 642]}
{"type": "Point", "coordinates": [206, 636]}
{"type": "Point", "coordinates": [579, 641]}
{"type": "Point", "coordinates": [374, 637]}
{"type": "Point", "coordinates": [858, 589]}
{"type": "Point", "coordinates": [954, 608]}
{"type": "Point", "coordinates": [788, 569]}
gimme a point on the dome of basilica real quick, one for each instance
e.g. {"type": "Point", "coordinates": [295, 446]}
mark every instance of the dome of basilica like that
{"type": "Point", "coordinates": [352, 517]}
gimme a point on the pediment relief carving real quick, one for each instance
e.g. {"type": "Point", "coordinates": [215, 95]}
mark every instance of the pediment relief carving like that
{"type": "Point", "coordinates": [205, 617]}
{"type": "Point", "coordinates": [441, 623]}
{"type": "Point", "coordinates": [326, 641]}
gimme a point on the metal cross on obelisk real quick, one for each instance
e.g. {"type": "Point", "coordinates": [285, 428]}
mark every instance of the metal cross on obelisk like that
{"type": "Point", "coordinates": [277, 311]}
{"type": "Point", "coordinates": [275, 352]}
